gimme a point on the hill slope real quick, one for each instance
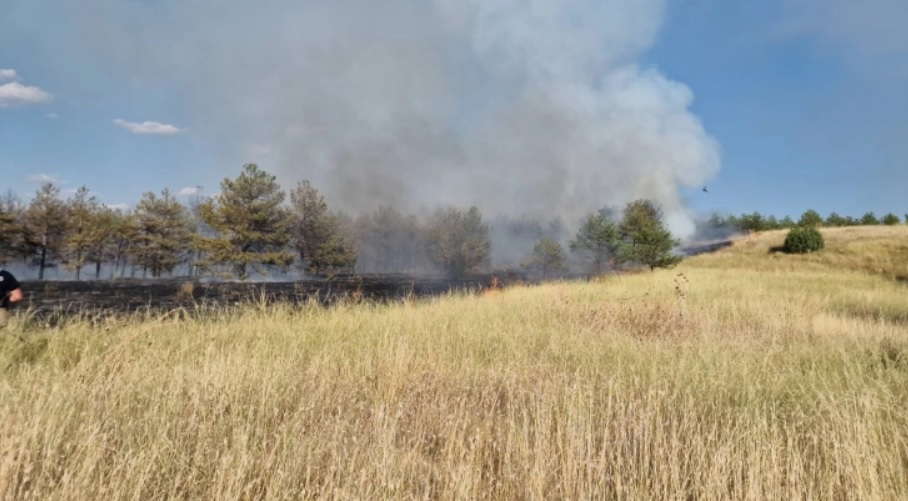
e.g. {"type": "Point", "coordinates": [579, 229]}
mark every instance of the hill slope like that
{"type": "Point", "coordinates": [873, 249]}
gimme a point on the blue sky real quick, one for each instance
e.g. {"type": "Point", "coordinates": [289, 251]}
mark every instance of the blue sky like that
{"type": "Point", "coordinates": [805, 98]}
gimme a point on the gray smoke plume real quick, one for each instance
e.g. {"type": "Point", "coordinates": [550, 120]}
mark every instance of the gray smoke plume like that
{"type": "Point", "coordinates": [518, 106]}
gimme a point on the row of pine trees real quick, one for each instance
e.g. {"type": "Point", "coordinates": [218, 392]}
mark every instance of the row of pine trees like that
{"type": "Point", "coordinates": [253, 228]}
{"type": "Point", "coordinates": [810, 218]}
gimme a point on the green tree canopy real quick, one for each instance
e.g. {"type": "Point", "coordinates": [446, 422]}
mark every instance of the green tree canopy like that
{"type": "Point", "coordinates": [251, 226]}
{"type": "Point", "coordinates": [803, 240]}
{"type": "Point", "coordinates": [752, 222]}
{"type": "Point", "coordinates": [161, 233]}
{"type": "Point", "coordinates": [548, 258]}
{"type": "Point", "coordinates": [322, 246]}
{"type": "Point", "coordinates": [869, 218]}
{"type": "Point", "coordinates": [835, 220]}
{"type": "Point", "coordinates": [597, 239]}
{"type": "Point", "coordinates": [45, 227]}
{"type": "Point", "coordinates": [645, 240]}
{"type": "Point", "coordinates": [104, 246]}
{"type": "Point", "coordinates": [11, 230]}
{"type": "Point", "coordinates": [891, 219]}
{"type": "Point", "coordinates": [810, 219]}
{"type": "Point", "coordinates": [84, 230]}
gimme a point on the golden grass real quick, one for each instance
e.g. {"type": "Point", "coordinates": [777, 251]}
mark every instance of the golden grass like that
{"type": "Point", "coordinates": [879, 250]}
{"type": "Point", "coordinates": [711, 381]}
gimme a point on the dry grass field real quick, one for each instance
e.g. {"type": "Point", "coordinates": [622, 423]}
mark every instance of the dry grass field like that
{"type": "Point", "coordinates": [739, 375]}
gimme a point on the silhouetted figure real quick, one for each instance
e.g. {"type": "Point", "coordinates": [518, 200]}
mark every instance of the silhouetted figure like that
{"type": "Point", "coordinates": [10, 292]}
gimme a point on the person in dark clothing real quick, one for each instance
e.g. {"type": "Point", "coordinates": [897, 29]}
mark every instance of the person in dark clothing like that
{"type": "Point", "coordinates": [10, 292]}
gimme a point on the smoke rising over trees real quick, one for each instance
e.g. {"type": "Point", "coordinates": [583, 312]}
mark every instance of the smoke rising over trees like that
{"type": "Point", "coordinates": [252, 229]}
{"type": "Point", "coordinates": [459, 241]}
{"type": "Point", "coordinates": [322, 246]}
{"type": "Point", "coordinates": [545, 109]}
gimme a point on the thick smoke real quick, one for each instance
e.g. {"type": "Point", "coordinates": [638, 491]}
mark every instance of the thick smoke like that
{"type": "Point", "coordinates": [534, 107]}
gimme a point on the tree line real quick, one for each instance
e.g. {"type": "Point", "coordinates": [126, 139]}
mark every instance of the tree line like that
{"type": "Point", "coordinates": [252, 227]}
{"type": "Point", "coordinates": [810, 218]}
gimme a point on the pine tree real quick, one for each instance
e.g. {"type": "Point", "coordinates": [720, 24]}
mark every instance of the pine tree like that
{"type": "Point", "coordinates": [869, 219]}
{"type": "Point", "coordinates": [45, 227]}
{"type": "Point", "coordinates": [645, 240]}
{"type": "Point", "coordinates": [787, 223]}
{"type": "Point", "coordinates": [198, 226]}
{"type": "Point", "coordinates": [83, 230]}
{"type": "Point", "coordinates": [11, 230]}
{"type": "Point", "coordinates": [752, 222]}
{"type": "Point", "coordinates": [891, 219]}
{"type": "Point", "coordinates": [317, 237]}
{"type": "Point", "coordinates": [251, 226]}
{"type": "Point", "coordinates": [835, 220]}
{"type": "Point", "coordinates": [547, 259]}
{"type": "Point", "coordinates": [459, 241]}
{"type": "Point", "coordinates": [123, 236]}
{"type": "Point", "coordinates": [390, 242]}
{"type": "Point", "coordinates": [598, 240]}
{"type": "Point", "coordinates": [810, 219]}
{"type": "Point", "coordinates": [160, 234]}
{"type": "Point", "coordinates": [105, 246]}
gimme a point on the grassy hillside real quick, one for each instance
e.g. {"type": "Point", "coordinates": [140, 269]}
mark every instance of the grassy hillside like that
{"type": "Point", "coordinates": [739, 375]}
{"type": "Point", "coordinates": [879, 250]}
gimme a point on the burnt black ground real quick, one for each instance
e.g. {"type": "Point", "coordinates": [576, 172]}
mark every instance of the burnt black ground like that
{"type": "Point", "coordinates": [60, 299]}
{"type": "Point", "coordinates": [50, 301]}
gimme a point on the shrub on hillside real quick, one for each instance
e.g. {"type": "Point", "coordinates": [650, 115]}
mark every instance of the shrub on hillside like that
{"type": "Point", "coordinates": [803, 240]}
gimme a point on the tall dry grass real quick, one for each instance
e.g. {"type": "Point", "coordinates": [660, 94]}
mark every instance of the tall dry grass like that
{"type": "Point", "coordinates": [705, 382]}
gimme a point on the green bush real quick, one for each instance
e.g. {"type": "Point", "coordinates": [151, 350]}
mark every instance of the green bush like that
{"type": "Point", "coordinates": [891, 219]}
{"type": "Point", "coordinates": [803, 240]}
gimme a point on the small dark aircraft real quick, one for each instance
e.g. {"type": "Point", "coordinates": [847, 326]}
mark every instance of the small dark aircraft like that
{"type": "Point", "coordinates": [705, 190]}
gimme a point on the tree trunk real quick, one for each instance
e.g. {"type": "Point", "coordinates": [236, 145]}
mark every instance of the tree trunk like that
{"type": "Point", "coordinates": [41, 265]}
{"type": "Point", "coordinates": [97, 270]}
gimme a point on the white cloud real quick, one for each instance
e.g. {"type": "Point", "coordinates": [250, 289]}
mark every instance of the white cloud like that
{"type": "Point", "coordinates": [44, 178]}
{"type": "Point", "coordinates": [189, 191]}
{"type": "Point", "coordinates": [52, 115]}
{"type": "Point", "coordinates": [8, 74]}
{"type": "Point", "coordinates": [14, 93]}
{"type": "Point", "coordinates": [69, 191]}
{"type": "Point", "coordinates": [147, 127]}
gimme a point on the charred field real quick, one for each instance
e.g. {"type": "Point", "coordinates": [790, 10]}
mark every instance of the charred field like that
{"type": "Point", "coordinates": [48, 300]}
